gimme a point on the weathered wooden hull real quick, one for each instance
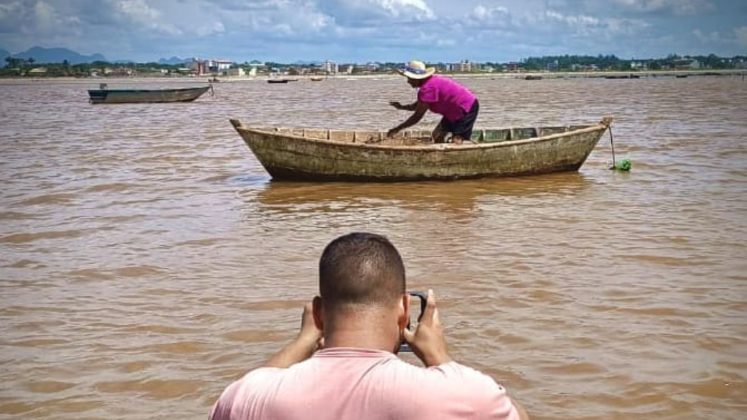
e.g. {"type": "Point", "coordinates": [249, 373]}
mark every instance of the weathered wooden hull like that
{"type": "Point", "coordinates": [362, 156]}
{"type": "Point", "coordinates": [125, 96]}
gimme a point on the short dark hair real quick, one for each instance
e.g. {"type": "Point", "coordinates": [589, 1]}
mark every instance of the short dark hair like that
{"type": "Point", "coordinates": [361, 269]}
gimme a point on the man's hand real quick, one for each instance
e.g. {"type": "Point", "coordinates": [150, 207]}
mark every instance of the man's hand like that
{"type": "Point", "coordinates": [309, 332]}
{"type": "Point", "coordinates": [391, 133]}
{"type": "Point", "coordinates": [396, 105]}
{"type": "Point", "coordinates": [308, 341]}
{"type": "Point", "coordinates": [427, 342]}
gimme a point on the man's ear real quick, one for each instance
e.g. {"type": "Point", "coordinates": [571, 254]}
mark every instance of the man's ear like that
{"type": "Point", "coordinates": [404, 311]}
{"type": "Point", "coordinates": [317, 310]}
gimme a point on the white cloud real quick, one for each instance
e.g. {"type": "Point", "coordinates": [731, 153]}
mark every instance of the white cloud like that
{"type": "Point", "coordinates": [741, 35]}
{"type": "Point", "coordinates": [489, 16]}
{"type": "Point", "coordinates": [573, 20]}
{"type": "Point", "coordinates": [210, 29]}
{"type": "Point", "coordinates": [633, 28]}
{"type": "Point", "coordinates": [10, 9]}
{"type": "Point", "coordinates": [140, 13]}
{"type": "Point", "coordinates": [46, 20]}
{"type": "Point", "coordinates": [592, 27]}
{"type": "Point", "coordinates": [445, 42]}
{"type": "Point", "coordinates": [416, 9]}
{"type": "Point", "coordinates": [710, 37]}
{"type": "Point", "coordinates": [376, 12]}
{"type": "Point", "coordinates": [677, 7]}
{"type": "Point", "coordinates": [283, 20]}
{"type": "Point", "coordinates": [137, 10]}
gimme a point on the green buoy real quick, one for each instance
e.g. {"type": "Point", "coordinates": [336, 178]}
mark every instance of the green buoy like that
{"type": "Point", "coordinates": [624, 165]}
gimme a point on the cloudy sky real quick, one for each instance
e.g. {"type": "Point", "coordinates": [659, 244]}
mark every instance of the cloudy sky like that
{"type": "Point", "coordinates": [375, 30]}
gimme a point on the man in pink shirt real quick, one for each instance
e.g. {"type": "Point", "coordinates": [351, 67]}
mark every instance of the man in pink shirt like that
{"type": "Point", "coordinates": [343, 363]}
{"type": "Point", "coordinates": [457, 105]}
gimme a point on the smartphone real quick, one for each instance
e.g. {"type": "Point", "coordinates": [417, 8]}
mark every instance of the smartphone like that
{"type": "Point", "coordinates": [423, 297]}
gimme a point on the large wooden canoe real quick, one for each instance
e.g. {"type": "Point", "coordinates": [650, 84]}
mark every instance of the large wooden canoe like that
{"type": "Point", "coordinates": [341, 155]}
{"type": "Point", "coordinates": [126, 96]}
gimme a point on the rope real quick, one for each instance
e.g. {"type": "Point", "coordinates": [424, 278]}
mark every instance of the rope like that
{"type": "Point", "coordinates": [612, 145]}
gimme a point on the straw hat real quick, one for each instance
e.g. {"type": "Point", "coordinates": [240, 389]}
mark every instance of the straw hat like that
{"type": "Point", "coordinates": [416, 70]}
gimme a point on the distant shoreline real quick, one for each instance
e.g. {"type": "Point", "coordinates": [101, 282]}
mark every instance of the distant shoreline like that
{"type": "Point", "coordinates": [504, 75]}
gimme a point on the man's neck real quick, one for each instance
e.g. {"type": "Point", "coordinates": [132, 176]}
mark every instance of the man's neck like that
{"type": "Point", "coordinates": [362, 330]}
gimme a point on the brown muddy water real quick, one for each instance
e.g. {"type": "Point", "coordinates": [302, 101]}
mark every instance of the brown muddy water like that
{"type": "Point", "coordinates": [148, 260]}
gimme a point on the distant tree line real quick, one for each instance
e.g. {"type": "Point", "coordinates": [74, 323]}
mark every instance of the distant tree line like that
{"type": "Point", "coordinates": [612, 62]}
{"type": "Point", "coordinates": [17, 66]}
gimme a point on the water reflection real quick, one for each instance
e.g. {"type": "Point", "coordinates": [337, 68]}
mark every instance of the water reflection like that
{"type": "Point", "coordinates": [459, 196]}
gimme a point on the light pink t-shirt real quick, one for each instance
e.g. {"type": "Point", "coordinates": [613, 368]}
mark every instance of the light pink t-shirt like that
{"type": "Point", "coordinates": [359, 384]}
{"type": "Point", "coordinates": [446, 97]}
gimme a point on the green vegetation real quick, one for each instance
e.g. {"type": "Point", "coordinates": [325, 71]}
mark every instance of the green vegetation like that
{"type": "Point", "coordinates": [613, 63]}
{"type": "Point", "coordinates": [20, 67]}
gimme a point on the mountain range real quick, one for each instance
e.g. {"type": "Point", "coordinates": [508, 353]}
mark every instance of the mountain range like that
{"type": "Point", "coordinates": [173, 60]}
{"type": "Point", "coordinates": [54, 55]}
{"type": "Point", "coordinates": [58, 55]}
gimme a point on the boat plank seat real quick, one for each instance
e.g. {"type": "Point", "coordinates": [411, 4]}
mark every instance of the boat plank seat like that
{"type": "Point", "coordinates": [341, 135]}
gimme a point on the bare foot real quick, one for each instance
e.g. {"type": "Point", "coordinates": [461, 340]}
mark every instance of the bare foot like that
{"type": "Point", "coordinates": [457, 140]}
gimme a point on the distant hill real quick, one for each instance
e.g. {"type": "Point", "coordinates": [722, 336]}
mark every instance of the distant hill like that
{"type": "Point", "coordinates": [57, 55]}
{"type": "Point", "coordinates": [173, 60]}
{"type": "Point", "coordinates": [3, 54]}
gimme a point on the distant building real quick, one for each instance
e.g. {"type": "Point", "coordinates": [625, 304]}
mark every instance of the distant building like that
{"type": "Point", "coordinates": [330, 67]}
{"type": "Point", "coordinates": [199, 66]}
{"type": "Point", "coordinates": [236, 72]}
{"type": "Point", "coordinates": [202, 67]}
{"type": "Point", "coordinates": [584, 67]}
{"type": "Point", "coordinates": [686, 64]}
{"type": "Point", "coordinates": [38, 71]}
{"type": "Point", "coordinates": [218, 66]}
{"type": "Point", "coordinates": [512, 66]}
{"type": "Point", "coordinates": [119, 71]}
{"type": "Point", "coordinates": [465, 66]}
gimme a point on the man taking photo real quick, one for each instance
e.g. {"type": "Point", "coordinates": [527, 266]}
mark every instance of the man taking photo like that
{"type": "Point", "coordinates": [343, 363]}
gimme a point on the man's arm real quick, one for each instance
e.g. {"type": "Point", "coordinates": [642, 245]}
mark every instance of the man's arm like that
{"type": "Point", "coordinates": [429, 344]}
{"type": "Point", "coordinates": [302, 347]}
{"type": "Point", "coordinates": [420, 110]}
{"type": "Point", "coordinates": [409, 107]}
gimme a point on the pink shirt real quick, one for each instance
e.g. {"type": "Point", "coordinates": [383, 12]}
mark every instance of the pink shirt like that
{"type": "Point", "coordinates": [349, 383]}
{"type": "Point", "coordinates": [446, 97]}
